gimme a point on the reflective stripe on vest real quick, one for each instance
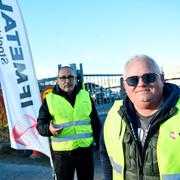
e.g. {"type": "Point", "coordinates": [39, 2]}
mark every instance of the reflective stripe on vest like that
{"type": "Point", "coordinates": [73, 137]}
{"type": "Point", "coordinates": [168, 144]}
{"type": "Point", "coordinates": [75, 121]}
{"type": "Point", "coordinates": [171, 177]}
{"type": "Point", "coordinates": [116, 167]}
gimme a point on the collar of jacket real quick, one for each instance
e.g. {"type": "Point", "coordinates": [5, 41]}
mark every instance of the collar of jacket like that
{"type": "Point", "coordinates": [57, 90]}
{"type": "Point", "coordinates": [71, 98]}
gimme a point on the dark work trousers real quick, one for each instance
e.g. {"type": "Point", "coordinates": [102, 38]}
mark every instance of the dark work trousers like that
{"type": "Point", "coordinates": [80, 160]}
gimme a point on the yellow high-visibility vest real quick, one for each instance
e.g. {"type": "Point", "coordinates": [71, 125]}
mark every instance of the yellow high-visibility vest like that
{"type": "Point", "coordinates": [75, 120]}
{"type": "Point", "coordinates": [168, 144]}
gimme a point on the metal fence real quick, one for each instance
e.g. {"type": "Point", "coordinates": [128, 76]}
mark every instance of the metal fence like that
{"type": "Point", "coordinates": [104, 89]}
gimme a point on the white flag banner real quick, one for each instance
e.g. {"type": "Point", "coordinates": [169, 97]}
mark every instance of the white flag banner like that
{"type": "Point", "coordinates": [18, 81]}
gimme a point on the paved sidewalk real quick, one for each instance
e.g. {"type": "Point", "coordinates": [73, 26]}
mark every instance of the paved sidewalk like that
{"type": "Point", "coordinates": [15, 167]}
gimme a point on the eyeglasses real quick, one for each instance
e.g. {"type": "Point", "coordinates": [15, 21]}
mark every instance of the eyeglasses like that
{"type": "Point", "coordinates": [70, 77]}
{"type": "Point", "coordinates": [146, 78]}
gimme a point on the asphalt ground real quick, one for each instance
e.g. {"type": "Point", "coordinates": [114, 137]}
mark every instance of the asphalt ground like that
{"type": "Point", "coordinates": [13, 166]}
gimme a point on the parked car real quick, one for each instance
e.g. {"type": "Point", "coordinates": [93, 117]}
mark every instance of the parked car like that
{"type": "Point", "coordinates": [104, 97]}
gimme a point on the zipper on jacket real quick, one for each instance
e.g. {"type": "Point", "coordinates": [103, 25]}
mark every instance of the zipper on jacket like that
{"type": "Point", "coordinates": [139, 163]}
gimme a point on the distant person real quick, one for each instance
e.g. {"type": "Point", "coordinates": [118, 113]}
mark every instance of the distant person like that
{"type": "Point", "coordinates": [140, 139]}
{"type": "Point", "coordinates": [69, 116]}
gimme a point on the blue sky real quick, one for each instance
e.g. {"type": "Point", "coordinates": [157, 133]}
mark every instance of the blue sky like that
{"type": "Point", "coordinates": [101, 34]}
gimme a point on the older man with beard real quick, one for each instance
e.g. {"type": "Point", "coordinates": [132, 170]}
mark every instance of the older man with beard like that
{"type": "Point", "coordinates": [69, 117]}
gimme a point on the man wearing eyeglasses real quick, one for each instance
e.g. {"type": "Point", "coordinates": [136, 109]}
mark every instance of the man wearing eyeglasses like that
{"type": "Point", "coordinates": [140, 139]}
{"type": "Point", "coordinates": [69, 116]}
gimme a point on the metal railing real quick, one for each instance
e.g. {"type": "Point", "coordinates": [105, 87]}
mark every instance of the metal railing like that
{"type": "Point", "coordinates": [104, 89]}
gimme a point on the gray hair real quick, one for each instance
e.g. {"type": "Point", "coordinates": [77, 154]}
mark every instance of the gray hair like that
{"type": "Point", "coordinates": [147, 59]}
{"type": "Point", "coordinates": [66, 67]}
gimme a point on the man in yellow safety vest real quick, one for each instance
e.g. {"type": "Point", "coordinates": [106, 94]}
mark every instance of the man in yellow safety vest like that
{"type": "Point", "coordinates": [140, 139]}
{"type": "Point", "coordinates": [69, 117]}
